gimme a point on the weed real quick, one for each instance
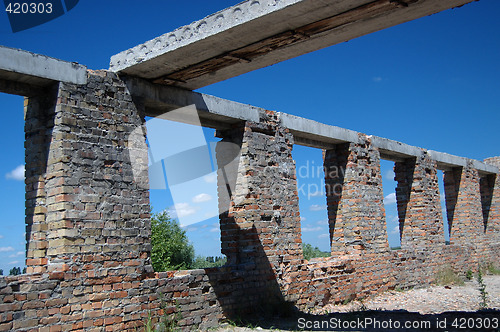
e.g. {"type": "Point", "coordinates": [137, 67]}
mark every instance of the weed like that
{"type": "Point", "coordinates": [363, 306]}
{"type": "Point", "coordinates": [469, 275]}
{"type": "Point", "coordinates": [490, 267]}
{"type": "Point", "coordinates": [482, 290]}
{"type": "Point", "coordinates": [346, 301]}
{"type": "Point", "coordinates": [448, 277]}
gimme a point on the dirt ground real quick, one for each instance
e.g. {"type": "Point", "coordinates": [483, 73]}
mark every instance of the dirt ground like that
{"type": "Point", "coordinates": [457, 304]}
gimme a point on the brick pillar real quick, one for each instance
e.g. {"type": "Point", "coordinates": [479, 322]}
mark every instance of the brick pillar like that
{"type": "Point", "coordinates": [39, 121]}
{"type": "Point", "coordinates": [97, 209]}
{"type": "Point", "coordinates": [491, 202]}
{"type": "Point", "coordinates": [355, 197]}
{"type": "Point", "coordinates": [418, 203]}
{"type": "Point", "coordinates": [463, 203]}
{"type": "Point", "coordinates": [260, 222]}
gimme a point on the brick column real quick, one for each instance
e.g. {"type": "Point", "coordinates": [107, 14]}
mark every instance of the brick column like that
{"type": "Point", "coordinates": [355, 197]}
{"type": "Point", "coordinates": [463, 203]}
{"type": "Point", "coordinates": [97, 209]}
{"type": "Point", "coordinates": [491, 202]}
{"type": "Point", "coordinates": [260, 222]}
{"type": "Point", "coordinates": [418, 203]}
{"type": "Point", "coordinates": [39, 122]}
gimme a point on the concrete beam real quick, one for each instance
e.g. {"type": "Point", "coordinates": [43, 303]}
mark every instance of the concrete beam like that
{"type": "Point", "coordinates": [29, 69]}
{"type": "Point", "coordinates": [220, 113]}
{"type": "Point", "coordinates": [214, 112]}
{"type": "Point", "coordinates": [232, 42]}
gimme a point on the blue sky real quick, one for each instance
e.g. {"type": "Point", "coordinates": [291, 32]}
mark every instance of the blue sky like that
{"type": "Point", "coordinates": [433, 83]}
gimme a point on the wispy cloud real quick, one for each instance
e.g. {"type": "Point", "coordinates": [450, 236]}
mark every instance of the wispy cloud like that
{"type": "Point", "coordinates": [311, 229]}
{"type": "Point", "coordinates": [317, 207]}
{"type": "Point", "coordinates": [377, 79]}
{"type": "Point", "coordinates": [202, 198]}
{"type": "Point", "coordinates": [16, 174]}
{"type": "Point", "coordinates": [389, 175]}
{"type": "Point", "coordinates": [17, 254]}
{"type": "Point", "coordinates": [6, 249]}
{"type": "Point", "coordinates": [324, 235]}
{"type": "Point", "coordinates": [182, 210]}
{"type": "Point", "coordinates": [13, 263]}
{"type": "Point", "coordinates": [322, 222]}
{"type": "Point", "coordinates": [211, 178]}
{"type": "Point", "coordinates": [390, 199]}
{"type": "Point", "coordinates": [1, 236]}
{"type": "Point", "coordinates": [395, 230]}
{"type": "Point", "coordinates": [214, 229]}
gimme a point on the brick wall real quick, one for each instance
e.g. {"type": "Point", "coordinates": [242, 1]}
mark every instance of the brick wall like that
{"type": "Point", "coordinates": [88, 228]}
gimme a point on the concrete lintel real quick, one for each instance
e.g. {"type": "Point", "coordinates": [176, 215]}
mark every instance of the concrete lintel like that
{"type": "Point", "coordinates": [447, 161]}
{"type": "Point", "coordinates": [39, 70]}
{"type": "Point", "coordinates": [220, 113]}
{"type": "Point", "coordinates": [232, 41]}
{"type": "Point", "coordinates": [394, 150]}
{"type": "Point", "coordinates": [214, 112]}
{"type": "Point", "coordinates": [315, 131]}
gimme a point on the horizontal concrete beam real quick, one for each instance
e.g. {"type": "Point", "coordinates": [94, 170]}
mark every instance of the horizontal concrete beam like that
{"type": "Point", "coordinates": [214, 112]}
{"type": "Point", "coordinates": [232, 41]}
{"type": "Point", "coordinates": [30, 69]}
{"type": "Point", "coordinates": [220, 113]}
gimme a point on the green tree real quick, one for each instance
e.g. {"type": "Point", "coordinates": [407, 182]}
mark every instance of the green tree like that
{"type": "Point", "coordinates": [170, 247]}
{"type": "Point", "coordinates": [311, 252]}
{"type": "Point", "coordinates": [15, 271]}
{"type": "Point", "coordinates": [1, 272]}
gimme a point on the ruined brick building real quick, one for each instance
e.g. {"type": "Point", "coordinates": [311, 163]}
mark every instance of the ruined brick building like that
{"type": "Point", "coordinates": [87, 210]}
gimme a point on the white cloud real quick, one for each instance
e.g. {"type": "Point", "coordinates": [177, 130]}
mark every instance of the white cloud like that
{"type": "Point", "coordinates": [1, 236]}
{"type": "Point", "coordinates": [377, 79]}
{"type": "Point", "coordinates": [211, 178]}
{"type": "Point", "coordinates": [13, 263]}
{"type": "Point", "coordinates": [183, 210]}
{"type": "Point", "coordinates": [323, 222]}
{"type": "Point", "coordinates": [202, 198]}
{"type": "Point", "coordinates": [19, 253]}
{"type": "Point", "coordinates": [389, 175]}
{"type": "Point", "coordinates": [322, 236]}
{"type": "Point", "coordinates": [395, 230]}
{"type": "Point", "coordinates": [215, 229]}
{"type": "Point", "coordinates": [6, 249]}
{"type": "Point", "coordinates": [303, 218]}
{"type": "Point", "coordinates": [390, 199]}
{"type": "Point", "coordinates": [16, 174]}
{"type": "Point", "coordinates": [311, 229]}
{"type": "Point", "coordinates": [316, 207]}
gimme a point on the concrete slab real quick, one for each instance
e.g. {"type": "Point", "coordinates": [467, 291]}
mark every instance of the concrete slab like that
{"type": "Point", "coordinates": [30, 69]}
{"type": "Point", "coordinates": [220, 113]}
{"type": "Point", "coordinates": [233, 41]}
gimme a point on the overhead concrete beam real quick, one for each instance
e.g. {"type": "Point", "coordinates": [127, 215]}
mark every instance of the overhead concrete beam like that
{"type": "Point", "coordinates": [29, 69]}
{"type": "Point", "coordinates": [233, 41]}
{"type": "Point", "coordinates": [220, 113]}
{"type": "Point", "coordinates": [213, 112]}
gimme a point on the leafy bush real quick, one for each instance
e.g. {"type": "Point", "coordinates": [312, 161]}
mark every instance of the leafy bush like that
{"type": "Point", "coordinates": [201, 262]}
{"type": "Point", "coordinates": [171, 249]}
{"type": "Point", "coordinates": [312, 252]}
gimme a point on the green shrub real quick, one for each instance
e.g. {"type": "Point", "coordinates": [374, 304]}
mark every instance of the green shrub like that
{"type": "Point", "coordinates": [312, 252]}
{"type": "Point", "coordinates": [170, 247]}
